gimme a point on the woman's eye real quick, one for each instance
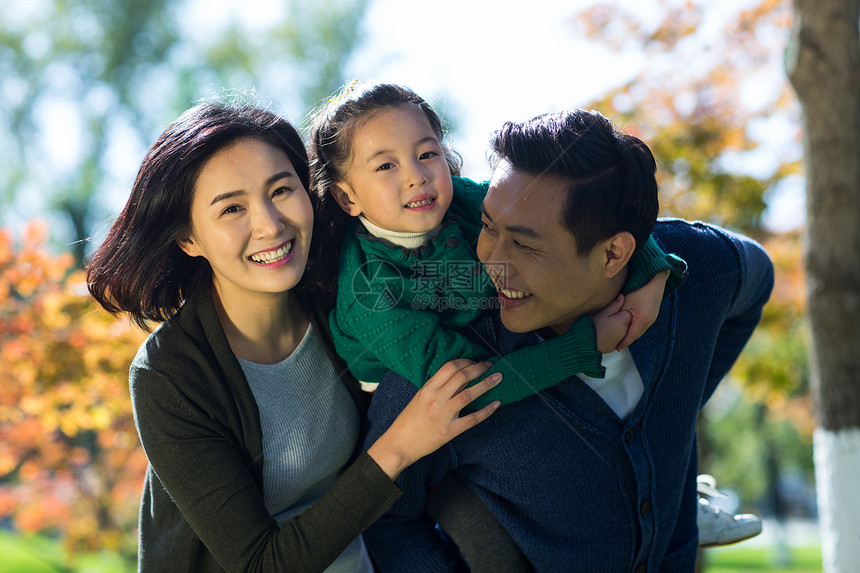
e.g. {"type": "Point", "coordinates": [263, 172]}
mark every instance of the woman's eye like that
{"type": "Point", "coordinates": [280, 191]}
{"type": "Point", "coordinates": [231, 209]}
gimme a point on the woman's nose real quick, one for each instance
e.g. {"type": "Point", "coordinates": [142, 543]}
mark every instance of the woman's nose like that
{"type": "Point", "coordinates": [268, 221]}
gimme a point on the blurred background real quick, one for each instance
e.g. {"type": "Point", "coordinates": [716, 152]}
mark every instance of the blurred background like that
{"type": "Point", "coordinates": [86, 87]}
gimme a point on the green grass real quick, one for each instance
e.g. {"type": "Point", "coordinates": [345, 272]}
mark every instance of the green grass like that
{"type": "Point", "coordinates": [38, 554]}
{"type": "Point", "coordinates": [23, 553]}
{"type": "Point", "coordinates": [740, 560]}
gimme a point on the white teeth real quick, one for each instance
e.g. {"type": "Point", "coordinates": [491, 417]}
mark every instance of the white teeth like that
{"type": "Point", "coordinates": [514, 293]}
{"type": "Point", "coordinates": [420, 203]}
{"type": "Point", "coordinates": [272, 256]}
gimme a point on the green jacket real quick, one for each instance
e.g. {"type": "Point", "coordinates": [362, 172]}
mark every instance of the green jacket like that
{"type": "Point", "coordinates": [405, 309]}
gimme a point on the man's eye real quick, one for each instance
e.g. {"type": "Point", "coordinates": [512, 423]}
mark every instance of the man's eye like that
{"type": "Point", "coordinates": [519, 245]}
{"type": "Point", "coordinates": [486, 226]}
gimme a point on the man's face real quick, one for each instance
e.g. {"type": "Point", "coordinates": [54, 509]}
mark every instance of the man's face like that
{"type": "Point", "coordinates": [541, 279]}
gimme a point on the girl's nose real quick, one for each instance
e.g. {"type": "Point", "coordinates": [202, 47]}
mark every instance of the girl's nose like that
{"type": "Point", "coordinates": [418, 174]}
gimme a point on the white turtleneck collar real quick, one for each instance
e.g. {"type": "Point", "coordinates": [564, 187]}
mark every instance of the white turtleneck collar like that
{"type": "Point", "coordinates": [401, 239]}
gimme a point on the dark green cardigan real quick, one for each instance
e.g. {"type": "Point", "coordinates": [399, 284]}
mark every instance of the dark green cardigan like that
{"type": "Point", "coordinates": [202, 506]}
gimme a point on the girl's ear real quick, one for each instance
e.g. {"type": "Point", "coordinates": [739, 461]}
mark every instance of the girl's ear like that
{"type": "Point", "coordinates": [343, 195]}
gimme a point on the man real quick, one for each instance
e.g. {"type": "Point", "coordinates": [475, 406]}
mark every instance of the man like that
{"type": "Point", "coordinates": [590, 475]}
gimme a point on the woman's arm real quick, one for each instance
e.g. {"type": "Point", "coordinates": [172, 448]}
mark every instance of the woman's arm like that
{"type": "Point", "coordinates": [206, 472]}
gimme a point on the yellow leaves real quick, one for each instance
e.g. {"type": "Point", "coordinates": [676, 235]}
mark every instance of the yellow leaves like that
{"type": "Point", "coordinates": [707, 103]}
{"type": "Point", "coordinates": [69, 458]}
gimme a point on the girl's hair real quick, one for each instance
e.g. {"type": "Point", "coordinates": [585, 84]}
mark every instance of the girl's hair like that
{"type": "Point", "coordinates": [140, 268]}
{"type": "Point", "coordinates": [334, 126]}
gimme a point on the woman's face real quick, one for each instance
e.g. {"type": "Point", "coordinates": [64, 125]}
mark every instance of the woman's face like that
{"type": "Point", "coordinates": [251, 218]}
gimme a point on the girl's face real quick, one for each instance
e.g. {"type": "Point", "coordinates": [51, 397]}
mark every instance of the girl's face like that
{"type": "Point", "coordinates": [251, 218]}
{"type": "Point", "coordinates": [397, 175]}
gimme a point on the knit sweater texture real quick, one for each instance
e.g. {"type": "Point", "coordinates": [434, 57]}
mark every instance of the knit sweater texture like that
{"type": "Point", "coordinates": [410, 310]}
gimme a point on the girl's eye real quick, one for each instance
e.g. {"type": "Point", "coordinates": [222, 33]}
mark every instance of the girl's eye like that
{"type": "Point", "coordinates": [385, 167]}
{"type": "Point", "coordinates": [428, 155]}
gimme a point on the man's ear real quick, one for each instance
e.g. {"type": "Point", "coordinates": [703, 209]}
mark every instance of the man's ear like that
{"type": "Point", "coordinates": [619, 250]}
{"type": "Point", "coordinates": [188, 245]}
{"type": "Point", "coordinates": [342, 194]}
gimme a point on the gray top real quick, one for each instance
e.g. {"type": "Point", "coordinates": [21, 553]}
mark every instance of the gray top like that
{"type": "Point", "coordinates": [310, 430]}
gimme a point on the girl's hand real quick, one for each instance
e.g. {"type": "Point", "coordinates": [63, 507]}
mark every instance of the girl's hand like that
{"type": "Point", "coordinates": [612, 325]}
{"type": "Point", "coordinates": [432, 417]}
{"type": "Point", "coordinates": [644, 306]}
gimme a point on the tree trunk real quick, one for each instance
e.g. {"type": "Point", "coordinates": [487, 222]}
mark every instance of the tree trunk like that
{"type": "Point", "coordinates": [823, 64]}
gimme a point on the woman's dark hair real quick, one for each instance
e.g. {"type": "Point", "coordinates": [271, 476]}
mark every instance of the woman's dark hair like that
{"type": "Point", "coordinates": [612, 175]}
{"type": "Point", "coordinates": [332, 129]}
{"type": "Point", "coordinates": [140, 268]}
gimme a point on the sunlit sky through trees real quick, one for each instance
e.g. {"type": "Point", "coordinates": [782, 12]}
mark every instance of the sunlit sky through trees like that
{"type": "Point", "coordinates": [479, 63]}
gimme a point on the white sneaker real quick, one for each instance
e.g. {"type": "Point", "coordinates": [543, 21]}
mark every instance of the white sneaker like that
{"type": "Point", "coordinates": [718, 527]}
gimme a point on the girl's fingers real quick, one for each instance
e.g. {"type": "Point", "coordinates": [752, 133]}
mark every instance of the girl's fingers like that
{"type": "Point", "coordinates": [615, 305]}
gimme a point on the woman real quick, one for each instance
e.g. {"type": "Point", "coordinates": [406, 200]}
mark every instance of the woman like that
{"type": "Point", "coordinates": [249, 420]}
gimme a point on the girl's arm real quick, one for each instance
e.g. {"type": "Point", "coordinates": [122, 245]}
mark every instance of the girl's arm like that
{"type": "Point", "coordinates": [206, 473]}
{"type": "Point", "coordinates": [412, 343]}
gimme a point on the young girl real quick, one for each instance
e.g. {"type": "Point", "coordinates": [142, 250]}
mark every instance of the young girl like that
{"type": "Point", "coordinates": [409, 282]}
{"type": "Point", "coordinates": [248, 418]}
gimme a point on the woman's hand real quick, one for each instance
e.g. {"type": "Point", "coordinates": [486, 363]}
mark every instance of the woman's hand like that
{"type": "Point", "coordinates": [432, 417]}
{"type": "Point", "coordinates": [644, 306]}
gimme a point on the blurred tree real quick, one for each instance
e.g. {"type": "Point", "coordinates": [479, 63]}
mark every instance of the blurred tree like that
{"type": "Point", "coordinates": [823, 62]}
{"type": "Point", "coordinates": [70, 462]}
{"type": "Point", "coordinates": [83, 82]}
{"type": "Point", "coordinates": [713, 103]}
